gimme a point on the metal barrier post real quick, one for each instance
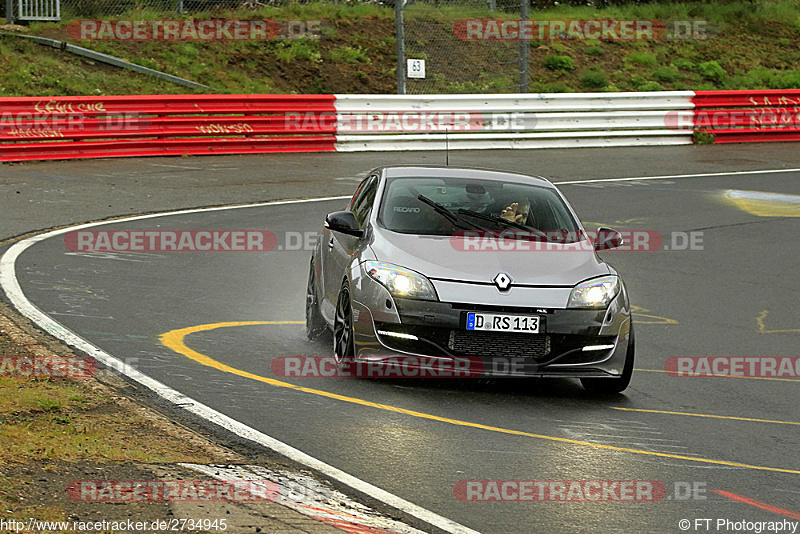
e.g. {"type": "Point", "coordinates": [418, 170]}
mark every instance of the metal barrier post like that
{"type": "Point", "coordinates": [401, 46]}
{"type": "Point", "coordinates": [524, 51]}
{"type": "Point", "coordinates": [10, 11]}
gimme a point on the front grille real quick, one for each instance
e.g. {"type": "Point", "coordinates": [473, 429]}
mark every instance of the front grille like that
{"type": "Point", "coordinates": [498, 344]}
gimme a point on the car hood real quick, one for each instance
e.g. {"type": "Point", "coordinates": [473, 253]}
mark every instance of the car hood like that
{"type": "Point", "coordinates": [444, 257]}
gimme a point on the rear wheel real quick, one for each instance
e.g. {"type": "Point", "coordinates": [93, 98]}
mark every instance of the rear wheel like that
{"type": "Point", "coordinates": [343, 347]}
{"type": "Point", "coordinates": [315, 323]}
{"type": "Point", "coordinates": [614, 385]}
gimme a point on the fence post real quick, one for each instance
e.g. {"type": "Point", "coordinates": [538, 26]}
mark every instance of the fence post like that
{"type": "Point", "coordinates": [399, 32]}
{"type": "Point", "coordinates": [179, 7]}
{"type": "Point", "coordinates": [524, 51]}
{"type": "Point", "coordinates": [10, 11]}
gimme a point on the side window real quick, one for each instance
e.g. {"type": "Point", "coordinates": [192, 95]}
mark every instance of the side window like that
{"type": "Point", "coordinates": [363, 200]}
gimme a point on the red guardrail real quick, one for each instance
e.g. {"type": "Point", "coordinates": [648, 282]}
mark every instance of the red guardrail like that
{"type": "Point", "coordinates": [36, 128]}
{"type": "Point", "coordinates": [748, 116]}
{"type": "Point", "coordinates": [164, 125]}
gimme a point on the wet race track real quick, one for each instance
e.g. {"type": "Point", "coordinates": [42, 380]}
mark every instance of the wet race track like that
{"type": "Point", "coordinates": [723, 283]}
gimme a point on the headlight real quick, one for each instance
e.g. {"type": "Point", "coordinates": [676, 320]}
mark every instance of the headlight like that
{"type": "Point", "coordinates": [401, 282]}
{"type": "Point", "coordinates": [594, 293]}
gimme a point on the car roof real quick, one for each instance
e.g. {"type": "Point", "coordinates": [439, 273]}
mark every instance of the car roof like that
{"type": "Point", "coordinates": [442, 171]}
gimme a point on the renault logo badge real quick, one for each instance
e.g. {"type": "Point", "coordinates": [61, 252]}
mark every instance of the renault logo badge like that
{"type": "Point", "coordinates": [502, 281]}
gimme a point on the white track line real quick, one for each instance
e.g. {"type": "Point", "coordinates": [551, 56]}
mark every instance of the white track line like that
{"type": "Point", "coordinates": [668, 177]}
{"type": "Point", "coordinates": [9, 282]}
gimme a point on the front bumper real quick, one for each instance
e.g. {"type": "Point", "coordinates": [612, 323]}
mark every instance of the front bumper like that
{"type": "Point", "coordinates": [397, 329]}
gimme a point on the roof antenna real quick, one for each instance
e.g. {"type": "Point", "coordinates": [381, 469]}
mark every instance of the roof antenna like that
{"type": "Point", "coordinates": [446, 148]}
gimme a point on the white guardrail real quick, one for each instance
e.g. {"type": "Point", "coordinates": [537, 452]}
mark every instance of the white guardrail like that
{"type": "Point", "coordinates": [561, 120]}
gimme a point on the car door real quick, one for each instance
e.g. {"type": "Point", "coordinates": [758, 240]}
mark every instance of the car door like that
{"type": "Point", "coordinates": [338, 249]}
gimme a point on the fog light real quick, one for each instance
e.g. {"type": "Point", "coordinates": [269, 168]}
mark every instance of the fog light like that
{"type": "Point", "coordinates": [587, 348]}
{"type": "Point", "coordinates": [398, 334]}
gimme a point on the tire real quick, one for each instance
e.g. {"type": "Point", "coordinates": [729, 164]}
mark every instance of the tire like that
{"type": "Point", "coordinates": [315, 323]}
{"type": "Point", "coordinates": [343, 346]}
{"type": "Point", "coordinates": [614, 385]}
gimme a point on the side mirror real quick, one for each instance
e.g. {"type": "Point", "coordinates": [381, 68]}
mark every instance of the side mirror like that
{"type": "Point", "coordinates": [607, 238]}
{"type": "Point", "coordinates": [343, 222]}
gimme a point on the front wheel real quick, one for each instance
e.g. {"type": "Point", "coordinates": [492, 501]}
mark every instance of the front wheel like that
{"type": "Point", "coordinates": [315, 323]}
{"type": "Point", "coordinates": [343, 347]}
{"type": "Point", "coordinates": [614, 385]}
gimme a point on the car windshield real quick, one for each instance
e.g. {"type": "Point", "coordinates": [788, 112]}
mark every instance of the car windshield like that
{"type": "Point", "coordinates": [444, 206]}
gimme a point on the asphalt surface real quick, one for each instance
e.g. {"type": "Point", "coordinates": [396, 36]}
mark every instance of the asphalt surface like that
{"type": "Point", "coordinates": [708, 302]}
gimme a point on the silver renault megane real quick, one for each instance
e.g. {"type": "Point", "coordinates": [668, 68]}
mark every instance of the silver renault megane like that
{"type": "Point", "coordinates": [443, 264]}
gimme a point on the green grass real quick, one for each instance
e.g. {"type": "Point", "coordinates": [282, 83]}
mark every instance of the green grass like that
{"type": "Point", "coordinates": [349, 54]}
{"type": "Point", "coordinates": [556, 62]}
{"type": "Point", "coordinates": [645, 59]}
{"type": "Point", "coordinates": [302, 49]}
{"type": "Point", "coordinates": [748, 46]}
{"type": "Point", "coordinates": [593, 78]}
{"type": "Point", "coordinates": [711, 70]}
{"type": "Point", "coordinates": [64, 420]}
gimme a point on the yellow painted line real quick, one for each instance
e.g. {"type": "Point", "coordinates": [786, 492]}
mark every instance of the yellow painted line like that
{"type": "Point", "coordinates": [717, 376]}
{"type": "Point", "coordinates": [762, 327]}
{"type": "Point", "coordinates": [175, 341]}
{"type": "Point", "coordinates": [764, 204]}
{"type": "Point", "coordinates": [656, 319]}
{"type": "Point", "coordinates": [689, 414]}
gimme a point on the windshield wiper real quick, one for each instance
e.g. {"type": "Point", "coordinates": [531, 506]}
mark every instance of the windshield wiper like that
{"type": "Point", "coordinates": [449, 215]}
{"type": "Point", "coordinates": [500, 220]}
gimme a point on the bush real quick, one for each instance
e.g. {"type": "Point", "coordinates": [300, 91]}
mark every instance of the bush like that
{"type": "Point", "coordinates": [684, 64]}
{"type": "Point", "coordinates": [702, 137]}
{"type": "Point", "coordinates": [555, 62]}
{"type": "Point", "coordinates": [553, 87]}
{"type": "Point", "coordinates": [711, 70]}
{"type": "Point", "coordinates": [307, 49]}
{"type": "Point", "coordinates": [665, 74]}
{"type": "Point", "coordinates": [595, 51]}
{"type": "Point", "coordinates": [642, 58]}
{"type": "Point", "coordinates": [349, 54]}
{"type": "Point", "coordinates": [649, 86]}
{"type": "Point", "coordinates": [594, 78]}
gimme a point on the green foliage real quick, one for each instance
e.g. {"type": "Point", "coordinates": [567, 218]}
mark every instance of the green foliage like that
{"type": "Point", "coordinates": [299, 49]}
{"type": "Point", "coordinates": [642, 58]}
{"type": "Point", "coordinates": [595, 51]}
{"type": "Point", "coordinates": [711, 70]}
{"type": "Point", "coordinates": [556, 62]}
{"type": "Point", "coordinates": [702, 137]}
{"type": "Point", "coordinates": [649, 86]}
{"type": "Point", "coordinates": [762, 78]}
{"type": "Point", "coordinates": [665, 74]}
{"type": "Point", "coordinates": [349, 54]}
{"type": "Point", "coordinates": [684, 64]}
{"type": "Point", "coordinates": [593, 78]}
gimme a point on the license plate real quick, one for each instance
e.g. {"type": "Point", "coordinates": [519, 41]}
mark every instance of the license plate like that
{"type": "Point", "coordinates": [497, 322]}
